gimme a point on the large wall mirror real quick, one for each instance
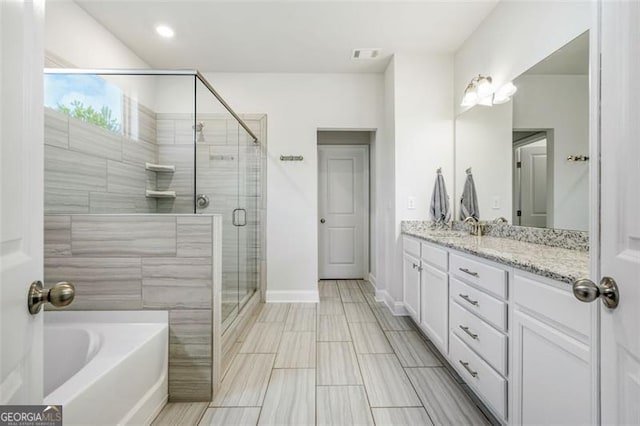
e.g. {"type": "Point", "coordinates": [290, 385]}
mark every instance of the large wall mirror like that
{"type": "Point", "coordinates": [529, 156]}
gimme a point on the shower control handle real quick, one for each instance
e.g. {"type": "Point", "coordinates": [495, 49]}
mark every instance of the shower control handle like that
{"type": "Point", "coordinates": [60, 295]}
{"type": "Point", "coordinates": [202, 201]}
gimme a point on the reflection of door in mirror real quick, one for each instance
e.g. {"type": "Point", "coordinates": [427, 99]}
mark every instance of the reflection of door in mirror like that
{"type": "Point", "coordinates": [553, 95]}
{"type": "Point", "coordinates": [533, 193]}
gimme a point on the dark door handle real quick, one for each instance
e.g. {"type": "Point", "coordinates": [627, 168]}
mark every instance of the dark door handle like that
{"type": "Point", "coordinates": [322, 220]}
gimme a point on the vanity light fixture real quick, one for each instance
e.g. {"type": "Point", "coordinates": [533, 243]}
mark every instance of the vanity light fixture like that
{"type": "Point", "coordinates": [478, 91]}
{"type": "Point", "coordinates": [165, 31]}
{"type": "Point", "coordinates": [503, 94]}
{"type": "Point", "coordinates": [470, 97]}
{"type": "Point", "coordinates": [481, 91]}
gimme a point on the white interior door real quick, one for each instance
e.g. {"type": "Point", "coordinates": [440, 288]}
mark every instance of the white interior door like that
{"type": "Point", "coordinates": [21, 198]}
{"type": "Point", "coordinates": [343, 208]}
{"type": "Point", "coordinates": [533, 184]}
{"type": "Point", "coordinates": [620, 207]}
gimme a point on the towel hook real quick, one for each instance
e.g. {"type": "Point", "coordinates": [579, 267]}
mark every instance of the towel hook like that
{"type": "Point", "coordinates": [468, 171]}
{"type": "Point", "coordinates": [439, 170]}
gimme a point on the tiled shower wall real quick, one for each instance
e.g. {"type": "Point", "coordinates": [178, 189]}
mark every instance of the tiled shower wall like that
{"type": "Point", "coordinates": [92, 170]}
{"type": "Point", "coordinates": [133, 262]}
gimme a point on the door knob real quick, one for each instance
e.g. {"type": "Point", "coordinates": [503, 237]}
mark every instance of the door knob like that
{"type": "Point", "coordinates": [322, 220]}
{"type": "Point", "coordinates": [61, 294]}
{"type": "Point", "coordinates": [586, 290]}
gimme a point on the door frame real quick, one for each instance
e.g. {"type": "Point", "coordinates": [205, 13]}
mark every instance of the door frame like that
{"type": "Point", "coordinates": [594, 199]}
{"type": "Point", "coordinates": [367, 207]}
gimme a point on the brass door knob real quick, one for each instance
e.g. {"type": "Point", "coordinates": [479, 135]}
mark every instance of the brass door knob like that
{"type": "Point", "coordinates": [61, 294]}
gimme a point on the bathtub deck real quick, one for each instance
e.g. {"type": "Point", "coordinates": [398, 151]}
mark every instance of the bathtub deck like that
{"type": "Point", "coordinates": [346, 360]}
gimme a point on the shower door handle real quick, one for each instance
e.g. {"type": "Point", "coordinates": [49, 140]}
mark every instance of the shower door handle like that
{"type": "Point", "coordinates": [239, 217]}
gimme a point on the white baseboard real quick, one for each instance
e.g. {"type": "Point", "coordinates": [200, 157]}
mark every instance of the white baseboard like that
{"type": "Point", "coordinates": [372, 280]}
{"type": "Point", "coordinates": [396, 308]}
{"type": "Point", "coordinates": [292, 296]}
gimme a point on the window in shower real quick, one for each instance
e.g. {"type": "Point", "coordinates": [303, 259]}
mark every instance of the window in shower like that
{"type": "Point", "coordinates": [89, 98]}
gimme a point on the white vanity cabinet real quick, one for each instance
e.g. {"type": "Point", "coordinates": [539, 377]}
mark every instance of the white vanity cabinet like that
{"type": "Point", "coordinates": [478, 327]}
{"type": "Point", "coordinates": [553, 379]}
{"type": "Point", "coordinates": [521, 341]}
{"type": "Point", "coordinates": [411, 277]}
{"type": "Point", "coordinates": [434, 288]}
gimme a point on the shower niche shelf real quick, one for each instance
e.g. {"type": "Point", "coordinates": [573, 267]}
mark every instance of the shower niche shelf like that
{"type": "Point", "coordinates": [160, 168]}
{"type": "Point", "coordinates": [160, 194]}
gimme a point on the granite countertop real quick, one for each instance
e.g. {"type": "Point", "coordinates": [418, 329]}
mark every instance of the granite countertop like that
{"type": "Point", "coordinates": [557, 263]}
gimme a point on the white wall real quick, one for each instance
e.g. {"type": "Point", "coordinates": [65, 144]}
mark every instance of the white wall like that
{"type": "Point", "coordinates": [297, 105]}
{"type": "Point", "coordinates": [423, 140]}
{"type": "Point", "coordinates": [386, 239]}
{"type": "Point", "coordinates": [516, 36]}
{"type": "Point", "coordinates": [561, 103]}
{"type": "Point", "coordinates": [484, 143]}
{"type": "Point", "coordinates": [73, 35]}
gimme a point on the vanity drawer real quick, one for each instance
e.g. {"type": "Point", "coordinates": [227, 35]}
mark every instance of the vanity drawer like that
{"type": "Point", "coordinates": [553, 303]}
{"type": "Point", "coordinates": [411, 246]}
{"type": "Point", "coordinates": [493, 279]}
{"type": "Point", "coordinates": [488, 342]}
{"type": "Point", "coordinates": [435, 257]}
{"type": "Point", "coordinates": [479, 375]}
{"type": "Point", "coordinates": [491, 309]}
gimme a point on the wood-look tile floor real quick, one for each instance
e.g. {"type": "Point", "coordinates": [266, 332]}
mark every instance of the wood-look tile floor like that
{"type": "Point", "coordinates": [346, 361]}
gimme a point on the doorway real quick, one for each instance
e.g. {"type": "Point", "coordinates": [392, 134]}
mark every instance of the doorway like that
{"type": "Point", "coordinates": [532, 178]}
{"type": "Point", "coordinates": [343, 205]}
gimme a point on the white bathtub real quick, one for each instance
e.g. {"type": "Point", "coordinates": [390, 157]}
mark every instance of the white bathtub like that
{"type": "Point", "coordinates": [107, 367]}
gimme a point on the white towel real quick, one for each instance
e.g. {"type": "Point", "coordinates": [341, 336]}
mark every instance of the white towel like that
{"type": "Point", "coordinates": [469, 200]}
{"type": "Point", "coordinates": [440, 211]}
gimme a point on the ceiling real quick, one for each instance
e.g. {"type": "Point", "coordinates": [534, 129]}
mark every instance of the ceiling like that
{"type": "Point", "coordinates": [572, 58]}
{"type": "Point", "coordinates": [286, 35]}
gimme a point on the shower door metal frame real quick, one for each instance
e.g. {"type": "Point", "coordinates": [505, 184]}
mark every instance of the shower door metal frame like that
{"type": "Point", "coordinates": [165, 72]}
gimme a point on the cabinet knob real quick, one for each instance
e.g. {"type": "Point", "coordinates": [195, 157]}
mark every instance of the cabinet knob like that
{"type": "Point", "coordinates": [587, 291]}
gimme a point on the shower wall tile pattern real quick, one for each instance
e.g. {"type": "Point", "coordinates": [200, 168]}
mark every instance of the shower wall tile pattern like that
{"type": "Point", "coordinates": [123, 262]}
{"type": "Point", "coordinates": [92, 170]}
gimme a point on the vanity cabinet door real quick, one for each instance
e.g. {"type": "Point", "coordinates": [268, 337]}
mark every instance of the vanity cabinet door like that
{"type": "Point", "coordinates": [411, 285]}
{"type": "Point", "coordinates": [551, 375]}
{"type": "Point", "coordinates": [434, 287]}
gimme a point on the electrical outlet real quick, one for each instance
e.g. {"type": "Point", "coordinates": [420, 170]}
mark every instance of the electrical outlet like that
{"type": "Point", "coordinates": [495, 203]}
{"type": "Point", "coordinates": [411, 203]}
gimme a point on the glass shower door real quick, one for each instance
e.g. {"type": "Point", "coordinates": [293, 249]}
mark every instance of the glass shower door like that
{"type": "Point", "coordinates": [249, 169]}
{"type": "Point", "coordinates": [217, 183]}
{"type": "Point", "coordinates": [228, 166]}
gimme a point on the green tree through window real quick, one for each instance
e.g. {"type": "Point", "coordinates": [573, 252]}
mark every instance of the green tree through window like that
{"type": "Point", "coordinates": [86, 97]}
{"type": "Point", "coordinates": [102, 118]}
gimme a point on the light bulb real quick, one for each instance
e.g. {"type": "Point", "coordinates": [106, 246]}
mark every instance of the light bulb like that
{"type": "Point", "coordinates": [485, 87]}
{"type": "Point", "coordinates": [470, 98]}
{"type": "Point", "coordinates": [486, 101]}
{"type": "Point", "coordinates": [503, 95]}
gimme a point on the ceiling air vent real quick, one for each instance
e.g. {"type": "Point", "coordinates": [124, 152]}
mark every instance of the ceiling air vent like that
{"type": "Point", "coordinates": [370, 53]}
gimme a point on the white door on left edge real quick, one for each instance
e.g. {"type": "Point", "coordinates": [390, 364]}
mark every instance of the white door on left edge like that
{"type": "Point", "coordinates": [21, 198]}
{"type": "Point", "coordinates": [343, 191]}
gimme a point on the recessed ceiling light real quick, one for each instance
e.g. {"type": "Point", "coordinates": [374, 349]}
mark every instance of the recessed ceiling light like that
{"type": "Point", "coordinates": [165, 31]}
{"type": "Point", "coordinates": [365, 53]}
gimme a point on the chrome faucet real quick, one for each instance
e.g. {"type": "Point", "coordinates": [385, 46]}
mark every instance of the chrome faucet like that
{"type": "Point", "coordinates": [475, 227]}
{"type": "Point", "coordinates": [500, 220]}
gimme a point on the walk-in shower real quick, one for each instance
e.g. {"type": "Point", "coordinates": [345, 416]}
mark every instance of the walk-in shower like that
{"type": "Point", "coordinates": [148, 142]}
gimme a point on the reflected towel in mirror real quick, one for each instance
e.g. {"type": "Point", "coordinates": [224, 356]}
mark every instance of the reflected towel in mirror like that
{"type": "Point", "coordinates": [439, 210]}
{"type": "Point", "coordinates": [469, 199]}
